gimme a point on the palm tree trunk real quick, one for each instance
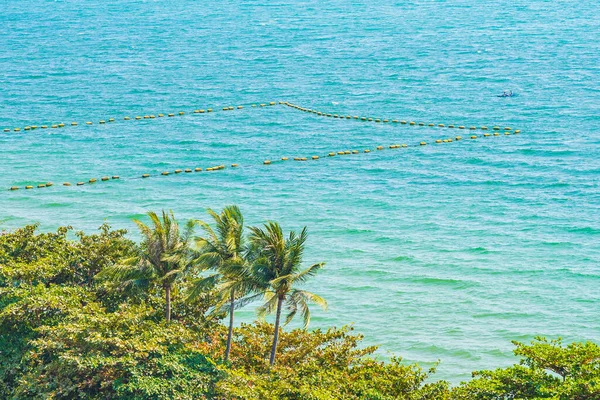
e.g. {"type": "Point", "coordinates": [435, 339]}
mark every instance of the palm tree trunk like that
{"type": "Point", "coordinates": [230, 334]}
{"type": "Point", "coordinates": [276, 336]}
{"type": "Point", "coordinates": [168, 300]}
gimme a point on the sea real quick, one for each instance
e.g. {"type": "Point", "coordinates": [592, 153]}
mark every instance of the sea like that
{"type": "Point", "coordinates": [439, 252]}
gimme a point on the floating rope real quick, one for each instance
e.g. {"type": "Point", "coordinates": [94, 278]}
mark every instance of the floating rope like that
{"type": "Point", "coordinates": [314, 157]}
{"type": "Point", "coordinates": [143, 117]}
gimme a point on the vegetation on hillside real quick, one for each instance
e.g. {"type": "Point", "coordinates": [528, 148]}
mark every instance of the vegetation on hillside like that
{"type": "Point", "coordinates": [102, 317]}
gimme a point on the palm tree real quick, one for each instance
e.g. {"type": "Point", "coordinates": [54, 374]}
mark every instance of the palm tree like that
{"type": "Point", "coordinates": [223, 251]}
{"type": "Point", "coordinates": [163, 256]}
{"type": "Point", "coordinates": [277, 266]}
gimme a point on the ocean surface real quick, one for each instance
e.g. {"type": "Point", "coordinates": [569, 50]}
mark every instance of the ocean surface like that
{"type": "Point", "coordinates": [446, 251]}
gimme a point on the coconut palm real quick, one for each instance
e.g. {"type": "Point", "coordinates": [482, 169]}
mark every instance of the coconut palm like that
{"type": "Point", "coordinates": [163, 257]}
{"type": "Point", "coordinates": [277, 267]}
{"type": "Point", "coordinates": [223, 251]}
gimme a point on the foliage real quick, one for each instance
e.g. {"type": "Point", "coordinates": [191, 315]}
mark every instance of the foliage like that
{"type": "Point", "coordinates": [319, 365]}
{"type": "Point", "coordinates": [65, 333]}
{"type": "Point", "coordinates": [548, 370]}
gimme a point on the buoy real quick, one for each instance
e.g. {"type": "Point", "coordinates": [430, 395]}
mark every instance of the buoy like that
{"type": "Point", "coordinates": [27, 128]}
{"type": "Point", "coordinates": [354, 151]}
{"type": "Point", "coordinates": [430, 124]}
{"type": "Point", "coordinates": [496, 134]}
{"type": "Point", "coordinates": [126, 118]}
{"type": "Point", "coordinates": [331, 154]}
{"type": "Point", "coordinates": [441, 125]}
{"type": "Point", "coordinates": [234, 165]}
{"type": "Point", "coordinates": [138, 117]}
{"type": "Point", "coordinates": [187, 170]}
{"type": "Point", "coordinates": [377, 120]}
{"type": "Point", "coordinates": [438, 141]}
{"type": "Point", "coordinates": [17, 129]}
{"type": "Point", "coordinates": [335, 116]}
{"type": "Point", "coordinates": [412, 122]}
{"type": "Point", "coordinates": [170, 115]}
{"type": "Point", "coordinates": [61, 125]}
{"type": "Point", "coordinates": [450, 126]}
{"type": "Point", "coordinates": [93, 180]}
{"type": "Point", "coordinates": [6, 130]}
{"type": "Point", "coordinates": [355, 117]}
{"type": "Point", "coordinates": [146, 117]}
{"type": "Point", "coordinates": [254, 105]}
{"type": "Point", "coordinates": [472, 128]}
{"type": "Point", "coordinates": [303, 159]}
{"type": "Point", "coordinates": [367, 151]}
{"type": "Point", "coordinates": [29, 187]}
{"type": "Point", "coordinates": [473, 137]}
{"type": "Point", "coordinates": [386, 120]}
{"type": "Point", "coordinates": [486, 134]}
{"type": "Point", "coordinates": [461, 127]}
{"type": "Point", "coordinates": [445, 140]}
{"type": "Point", "coordinates": [315, 157]}
{"type": "Point", "coordinates": [208, 110]}
{"type": "Point", "coordinates": [177, 171]}
{"type": "Point", "coordinates": [181, 113]}
{"type": "Point", "coordinates": [395, 121]}
{"type": "Point", "coordinates": [14, 188]}
{"type": "Point", "coordinates": [517, 131]}
{"type": "Point", "coordinates": [80, 183]}
{"type": "Point", "coordinates": [496, 128]}
{"type": "Point", "coordinates": [33, 126]}
{"type": "Point", "coordinates": [423, 143]}
{"type": "Point", "coordinates": [263, 105]}
{"type": "Point", "coordinates": [225, 108]}
{"type": "Point", "coordinates": [369, 119]}
{"type": "Point", "coordinates": [240, 107]}
{"type": "Point", "coordinates": [105, 178]}
{"type": "Point", "coordinates": [73, 123]}
{"type": "Point", "coordinates": [146, 176]}
{"type": "Point", "coordinates": [403, 122]}
{"type": "Point", "coordinates": [267, 162]}
{"type": "Point", "coordinates": [348, 117]}
{"type": "Point", "coordinates": [508, 128]}
{"type": "Point", "coordinates": [458, 138]}
{"type": "Point", "coordinates": [44, 126]}
{"type": "Point", "coordinates": [113, 120]}
{"type": "Point", "coordinates": [449, 140]}
{"type": "Point", "coordinates": [363, 118]}
{"type": "Point", "coordinates": [421, 123]}
{"type": "Point", "coordinates": [115, 177]}
{"type": "Point", "coordinates": [507, 133]}
{"type": "Point", "coordinates": [319, 113]}
{"type": "Point", "coordinates": [272, 103]}
{"type": "Point", "coordinates": [392, 146]}
{"type": "Point", "coordinates": [53, 126]}
{"type": "Point", "coordinates": [152, 116]}
{"type": "Point", "coordinates": [197, 169]}
{"type": "Point", "coordinates": [66, 184]}
{"type": "Point", "coordinates": [484, 128]}
{"type": "Point", "coordinates": [284, 158]}
{"type": "Point", "coordinates": [165, 173]}
{"type": "Point", "coordinates": [404, 145]}
{"type": "Point", "coordinates": [341, 153]}
{"type": "Point", "coordinates": [347, 152]}
{"type": "Point", "coordinates": [379, 147]}
{"type": "Point", "coordinates": [102, 121]}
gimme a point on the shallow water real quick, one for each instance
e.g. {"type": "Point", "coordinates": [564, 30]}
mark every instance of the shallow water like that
{"type": "Point", "coordinates": [443, 251]}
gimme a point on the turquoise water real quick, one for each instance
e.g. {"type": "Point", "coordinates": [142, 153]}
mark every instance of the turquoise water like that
{"type": "Point", "coordinates": [438, 252]}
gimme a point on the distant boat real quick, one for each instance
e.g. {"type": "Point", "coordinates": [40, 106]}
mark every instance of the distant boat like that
{"type": "Point", "coordinates": [505, 94]}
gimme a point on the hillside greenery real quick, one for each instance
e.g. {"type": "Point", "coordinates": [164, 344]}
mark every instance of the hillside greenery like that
{"type": "Point", "coordinates": [99, 316]}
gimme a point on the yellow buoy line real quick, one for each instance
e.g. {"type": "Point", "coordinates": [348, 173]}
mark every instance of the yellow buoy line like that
{"type": "Point", "coordinates": [394, 120]}
{"type": "Point", "coordinates": [111, 120]}
{"type": "Point", "coordinates": [313, 157]}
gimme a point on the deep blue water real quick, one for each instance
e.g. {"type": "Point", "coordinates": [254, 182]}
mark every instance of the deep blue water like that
{"type": "Point", "coordinates": [445, 251]}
